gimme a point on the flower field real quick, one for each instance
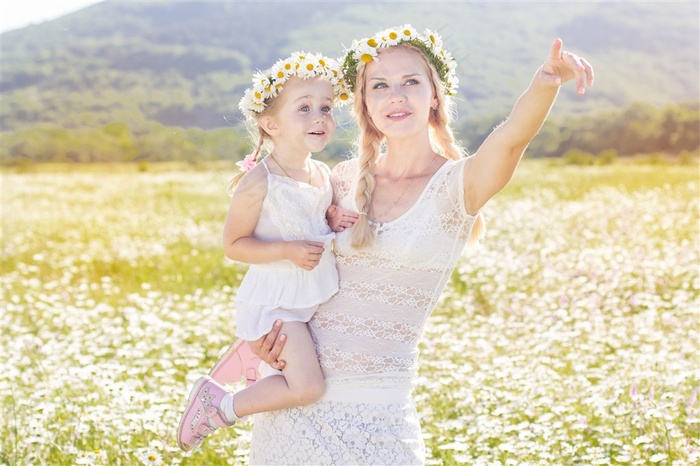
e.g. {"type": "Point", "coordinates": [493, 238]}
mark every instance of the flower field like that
{"type": "Point", "coordinates": [569, 336]}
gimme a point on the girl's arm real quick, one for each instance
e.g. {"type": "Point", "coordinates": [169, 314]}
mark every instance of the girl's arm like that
{"type": "Point", "coordinates": [339, 219]}
{"type": "Point", "coordinates": [494, 163]}
{"type": "Point", "coordinates": [244, 210]}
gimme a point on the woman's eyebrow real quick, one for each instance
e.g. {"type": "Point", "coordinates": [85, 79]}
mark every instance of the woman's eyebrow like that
{"type": "Point", "coordinates": [382, 78]}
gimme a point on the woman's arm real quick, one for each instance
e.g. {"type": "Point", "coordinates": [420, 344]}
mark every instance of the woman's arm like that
{"type": "Point", "coordinates": [494, 163]}
{"type": "Point", "coordinates": [244, 210]}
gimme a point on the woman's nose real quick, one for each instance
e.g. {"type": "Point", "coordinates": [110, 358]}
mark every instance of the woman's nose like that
{"type": "Point", "coordinates": [397, 94]}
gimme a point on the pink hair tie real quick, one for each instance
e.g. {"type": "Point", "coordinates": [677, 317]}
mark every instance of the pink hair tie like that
{"type": "Point", "coordinates": [247, 163]}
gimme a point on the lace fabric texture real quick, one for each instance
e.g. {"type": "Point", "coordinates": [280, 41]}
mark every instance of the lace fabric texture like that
{"type": "Point", "coordinates": [340, 434]}
{"type": "Point", "coordinates": [367, 334]}
{"type": "Point", "coordinates": [280, 290]}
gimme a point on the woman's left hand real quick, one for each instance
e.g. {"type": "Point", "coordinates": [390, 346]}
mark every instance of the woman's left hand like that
{"type": "Point", "coordinates": [269, 346]}
{"type": "Point", "coordinates": [562, 66]}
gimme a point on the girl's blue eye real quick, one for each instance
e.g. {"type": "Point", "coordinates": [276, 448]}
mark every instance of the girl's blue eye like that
{"type": "Point", "coordinates": [326, 109]}
{"type": "Point", "coordinates": [304, 108]}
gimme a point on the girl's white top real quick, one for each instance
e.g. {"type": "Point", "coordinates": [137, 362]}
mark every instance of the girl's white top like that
{"type": "Point", "coordinates": [281, 290]}
{"type": "Point", "coordinates": [367, 335]}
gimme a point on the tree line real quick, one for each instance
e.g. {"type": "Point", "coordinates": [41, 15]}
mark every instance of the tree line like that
{"type": "Point", "coordinates": [639, 129]}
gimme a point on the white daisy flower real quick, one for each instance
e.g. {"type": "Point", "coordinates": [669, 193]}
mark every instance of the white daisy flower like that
{"type": "Point", "coordinates": [310, 67]}
{"type": "Point", "coordinates": [246, 102]}
{"type": "Point", "coordinates": [298, 57]}
{"type": "Point", "coordinates": [259, 88]}
{"type": "Point", "coordinates": [287, 67]}
{"type": "Point", "coordinates": [407, 32]}
{"type": "Point", "coordinates": [390, 37]}
{"type": "Point", "coordinates": [434, 40]}
{"type": "Point", "coordinates": [260, 78]}
{"type": "Point", "coordinates": [366, 52]}
{"type": "Point", "coordinates": [281, 70]}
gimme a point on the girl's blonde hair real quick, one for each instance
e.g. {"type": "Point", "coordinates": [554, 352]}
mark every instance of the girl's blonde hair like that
{"type": "Point", "coordinates": [370, 140]}
{"type": "Point", "coordinates": [261, 139]}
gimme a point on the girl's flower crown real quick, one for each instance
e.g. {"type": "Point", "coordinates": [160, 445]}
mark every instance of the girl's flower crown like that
{"type": "Point", "coordinates": [429, 43]}
{"type": "Point", "coordinates": [303, 65]}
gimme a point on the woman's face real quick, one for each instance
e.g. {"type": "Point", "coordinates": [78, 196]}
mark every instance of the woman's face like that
{"type": "Point", "coordinates": [398, 93]}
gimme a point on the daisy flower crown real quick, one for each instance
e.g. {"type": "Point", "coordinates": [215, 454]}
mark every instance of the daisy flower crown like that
{"type": "Point", "coordinates": [367, 50]}
{"type": "Point", "coordinates": [268, 84]}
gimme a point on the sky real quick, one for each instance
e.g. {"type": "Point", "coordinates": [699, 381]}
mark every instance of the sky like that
{"type": "Point", "coordinates": [15, 14]}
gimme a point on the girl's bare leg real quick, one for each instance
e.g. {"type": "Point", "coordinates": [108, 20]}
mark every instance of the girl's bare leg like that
{"type": "Point", "coordinates": [301, 383]}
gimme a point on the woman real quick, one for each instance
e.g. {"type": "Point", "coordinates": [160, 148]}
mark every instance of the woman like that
{"type": "Point", "coordinates": [419, 203]}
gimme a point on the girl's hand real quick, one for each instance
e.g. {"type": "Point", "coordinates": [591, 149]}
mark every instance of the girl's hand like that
{"type": "Point", "coordinates": [562, 66]}
{"type": "Point", "coordinates": [305, 254]}
{"type": "Point", "coordinates": [340, 219]}
{"type": "Point", "coordinates": [269, 347]}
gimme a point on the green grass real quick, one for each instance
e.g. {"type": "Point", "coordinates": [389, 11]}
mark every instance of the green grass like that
{"type": "Point", "coordinates": [568, 336]}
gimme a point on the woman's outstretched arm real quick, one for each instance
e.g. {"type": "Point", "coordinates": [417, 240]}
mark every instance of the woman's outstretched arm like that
{"type": "Point", "coordinates": [493, 164]}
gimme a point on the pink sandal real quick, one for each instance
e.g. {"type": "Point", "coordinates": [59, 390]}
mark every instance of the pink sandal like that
{"type": "Point", "coordinates": [238, 363]}
{"type": "Point", "coordinates": [202, 415]}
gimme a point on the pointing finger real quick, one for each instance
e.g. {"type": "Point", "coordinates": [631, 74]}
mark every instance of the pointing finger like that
{"type": "Point", "coordinates": [555, 51]}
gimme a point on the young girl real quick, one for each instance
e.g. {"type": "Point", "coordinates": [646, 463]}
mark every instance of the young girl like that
{"type": "Point", "coordinates": [277, 223]}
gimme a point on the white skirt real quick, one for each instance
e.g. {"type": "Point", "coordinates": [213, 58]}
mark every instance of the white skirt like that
{"type": "Point", "coordinates": [385, 431]}
{"type": "Point", "coordinates": [281, 290]}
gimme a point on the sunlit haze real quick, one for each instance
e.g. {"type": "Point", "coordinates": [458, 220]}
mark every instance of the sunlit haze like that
{"type": "Point", "coordinates": [16, 14]}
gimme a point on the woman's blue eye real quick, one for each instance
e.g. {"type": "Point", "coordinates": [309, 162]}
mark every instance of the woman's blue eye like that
{"type": "Point", "coordinates": [412, 82]}
{"type": "Point", "coordinates": [379, 86]}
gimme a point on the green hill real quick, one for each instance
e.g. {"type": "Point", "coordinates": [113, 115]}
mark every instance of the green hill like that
{"type": "Point", "coordinates": [146, 65]}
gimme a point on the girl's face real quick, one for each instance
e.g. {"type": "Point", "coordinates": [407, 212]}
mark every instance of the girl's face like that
{"type": "Point", "coordinates": [398, 93]}
{"type": "Point", "coordinates": [302, 121]}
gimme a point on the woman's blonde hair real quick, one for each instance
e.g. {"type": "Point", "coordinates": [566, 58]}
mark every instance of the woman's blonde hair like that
{"type": "Point", "coordinates": [370, 141]}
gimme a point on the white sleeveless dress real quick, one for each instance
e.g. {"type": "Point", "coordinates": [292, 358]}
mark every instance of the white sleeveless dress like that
{"type": "Point", "coordinates": [281, 290]}
{"type": "Point", "coordinates": [367, 335]}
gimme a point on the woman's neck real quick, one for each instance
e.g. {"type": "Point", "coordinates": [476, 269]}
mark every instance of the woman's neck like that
{"type": "Point", "coordinates": [406, 157]}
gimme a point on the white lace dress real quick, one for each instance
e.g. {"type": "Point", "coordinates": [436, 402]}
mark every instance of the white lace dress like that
{"type": "Point", "coordinates": [367, 335]}
{"type": "Point", "coordinates": [281, 290]}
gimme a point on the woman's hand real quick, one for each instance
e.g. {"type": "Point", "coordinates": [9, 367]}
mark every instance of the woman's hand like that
{"type": "Point", "coordinates": [269, 347]}
{"type": "Point", "coordinates": [340, 219]}
{"type": "Point", "coordinates": [562, 66]}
